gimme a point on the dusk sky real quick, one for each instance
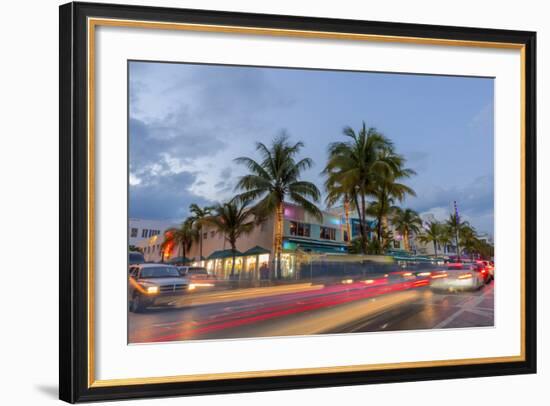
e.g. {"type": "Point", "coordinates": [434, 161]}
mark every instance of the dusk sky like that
{"type": "Point", "coordinates": [188, 122]}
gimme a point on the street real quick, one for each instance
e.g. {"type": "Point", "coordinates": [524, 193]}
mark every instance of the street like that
{"type": "Point", "coordinates": [313, 308]}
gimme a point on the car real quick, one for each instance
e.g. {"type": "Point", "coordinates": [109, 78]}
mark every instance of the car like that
{"type": "Point", "coordinates": [154, 284]}
{"type": "Point", "coordinates": [489, 267]}
{"type": "Point", "coordinates": [135, 258]}
{"type": "Point", "coordinates": [198, 277]}
{"type": "Point", "coordinates": [457, 277]}
{"type": "Point", "coordinates": [194, 272]}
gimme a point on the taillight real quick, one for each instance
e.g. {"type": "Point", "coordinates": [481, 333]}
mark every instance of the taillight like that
{"type": "Point", "coordinates": [465, 276]}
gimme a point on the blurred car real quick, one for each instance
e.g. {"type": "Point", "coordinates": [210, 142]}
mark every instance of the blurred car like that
{"type": "Point", "coordinates": [458, 276]}
{"type": "Point", "coordinates": [154, 284]}
{"type": "Point", "coordinates": [489, 268]}
{"type": "Point", "coordinates": [197, 276]}
{"type": "Point", "coordinates": [195, 272]}
{"type": "Point", "coordinates": [408, 279]}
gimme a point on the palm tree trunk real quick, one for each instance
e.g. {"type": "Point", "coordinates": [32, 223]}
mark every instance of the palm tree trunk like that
{"type": "Point", "coordinates": [361, 229]}
{"type": "Point", "coordinates": [435, 248]}
{"type": "Point", "coordinates": [379, 229]}
{"type": "Point", "coordinates": [233, 249]}
{"type": "Point", "coordinates": [183, 253]}
{"type": "Point", "coordinates": [364, 222]}
{"type": "Point", "coordinates": [406, 239]}
{"type": "Point", "coordinates": [384, 221]}
{"type": "Point", "coordinates": [200, 245]}
{"type": "Point", "coordinates": [278, 238]}
{"type": "Point", "coordinates": [346, 213]}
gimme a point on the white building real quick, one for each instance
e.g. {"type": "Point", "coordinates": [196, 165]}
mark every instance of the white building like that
{"type": "Point", "coordinates": [142, 229]}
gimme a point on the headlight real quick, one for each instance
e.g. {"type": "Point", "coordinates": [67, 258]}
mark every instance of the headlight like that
{"type": "Point", "coordinates": [152, 289]}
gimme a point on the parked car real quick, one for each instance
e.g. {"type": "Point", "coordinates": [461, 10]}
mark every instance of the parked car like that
{"type": "Point", "coordinates": [197, 276]}
{"type": "Point", "coordinates": [154, 284]}
{"type": "Point", "coordinates": [195, 272]}
{"type": "Point", "coordinates": [458, 276]}
{"type": "Point", "coordinates": [135, 258]}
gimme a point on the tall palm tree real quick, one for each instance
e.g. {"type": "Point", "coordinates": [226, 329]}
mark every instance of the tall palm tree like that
{"type": "Point", "coordinates": [406, 222]}
{"type": "Point", "coordinates": [352, 168]}
{"type": "Point", "coordinates": [433, 234]}
{"type": "Point", "coordinates": [273, 179]}
{"type": "Point", "coordinates": [337, 193]}
{"type": "Point", "coordinates": [198, 216]}
{"type": "Point", "coordinates": [446, 237]}
{"type": "Point", "coordinates": [182, 236]}
{"type": "Point", "coordinates": [454, 225]}
{"type": "Point", "coordinates": [232, 219]}
{"type": "Point", "coordinates": [469, 240]}
{"type": "Point", "coordinates": [387, 188]}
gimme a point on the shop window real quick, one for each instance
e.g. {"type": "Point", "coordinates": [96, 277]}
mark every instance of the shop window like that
{"type": "Point", "coordinates": [300, 229]}
{"type": "Point", "coordinates": [328, 233]}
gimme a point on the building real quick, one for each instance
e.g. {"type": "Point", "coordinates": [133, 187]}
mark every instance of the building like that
{"type": "Point", "coordinates": [142, 229]}
{"type": "Point", "coordinates": [303, 235]}
{"type": "Point", "coordinates": [397, 242]}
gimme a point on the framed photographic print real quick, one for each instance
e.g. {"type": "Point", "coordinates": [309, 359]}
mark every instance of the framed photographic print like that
{"type": "Point", "coordinates": [258, 202]}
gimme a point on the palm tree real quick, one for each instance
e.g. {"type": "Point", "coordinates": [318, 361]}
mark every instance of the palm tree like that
{"type": "Point", "coordinates": [446, 237]}
{"type": "Point", "coordinates": [454, 226]}
{"type": "Point", "coordinates": [274, 178]}
{"type": "Point", "coordinates": [433, 234]}
{"type": "Point", "coordinates": [182, 236]}
{"type": "Point", "coordinates": [387, 189]}
{"type": "Point", "coordinates": [335, 194]}
{"type": "Point", "coordinates": [406, 222]}
{"type": "Point", "coordinates": [485, 249]}
{"type": "Point", "coordinates": [352, 168]}
{"type": "Point", "coordinates": [470, 242]}
{"type": "Point", "coordinates": [232, 219]}
{"type": "Point", "coordinates": [199, 214]}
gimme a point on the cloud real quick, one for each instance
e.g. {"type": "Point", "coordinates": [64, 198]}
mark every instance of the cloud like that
{"type": "Point", "coordinates": [164, 197]}
{"type": "Point", "coordinates": [188, 122]}
{"type": "Point", "coordinates": [191, 121]}
{"type": "Point", "coordinates": [475, 202]}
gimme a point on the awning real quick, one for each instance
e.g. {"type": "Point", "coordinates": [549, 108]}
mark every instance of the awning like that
{"type": "Point", "coordinates": [314, 246]}
{"type": "Point", "coordinates": [224, 254]}
{"type": "Point", "coordinates": [257, 250]}
{"type": "Point", "coordinates": [179, 260]}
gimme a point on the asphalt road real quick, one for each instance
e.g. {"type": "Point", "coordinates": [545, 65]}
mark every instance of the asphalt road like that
{"type": "Point", "coordinates": [305, 309]}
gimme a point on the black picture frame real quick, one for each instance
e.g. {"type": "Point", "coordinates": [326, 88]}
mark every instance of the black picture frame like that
{"type": "Point", "coordinates": [74, 200]}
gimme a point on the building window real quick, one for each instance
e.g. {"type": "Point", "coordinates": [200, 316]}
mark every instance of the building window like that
{"type": "Point", "coordinates": [133, 233]}
{"type": "Point", "coordinates": [300, 229]}
{"type": "Point", "coordinates": [205, 236]}
{"type": "Point", "coordinates": [396, 244]}
{"type": "Point", "coordinates": [144, 233]}
{"type": "Point", "coordinates": [212, 234]}
{"type": "Point", "coordinates": [328, 233]}
{"type": "Point", "coordinates": [346, 237]}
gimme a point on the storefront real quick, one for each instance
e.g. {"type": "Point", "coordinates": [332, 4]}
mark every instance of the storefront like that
{"type": "Point", "coordinates": [252, 264]}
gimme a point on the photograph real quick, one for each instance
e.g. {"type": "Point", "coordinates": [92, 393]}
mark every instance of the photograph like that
{"type": "Point", "coordinates": [284, 201]}
{"type": "Point", "coordinates": [253, 201]}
